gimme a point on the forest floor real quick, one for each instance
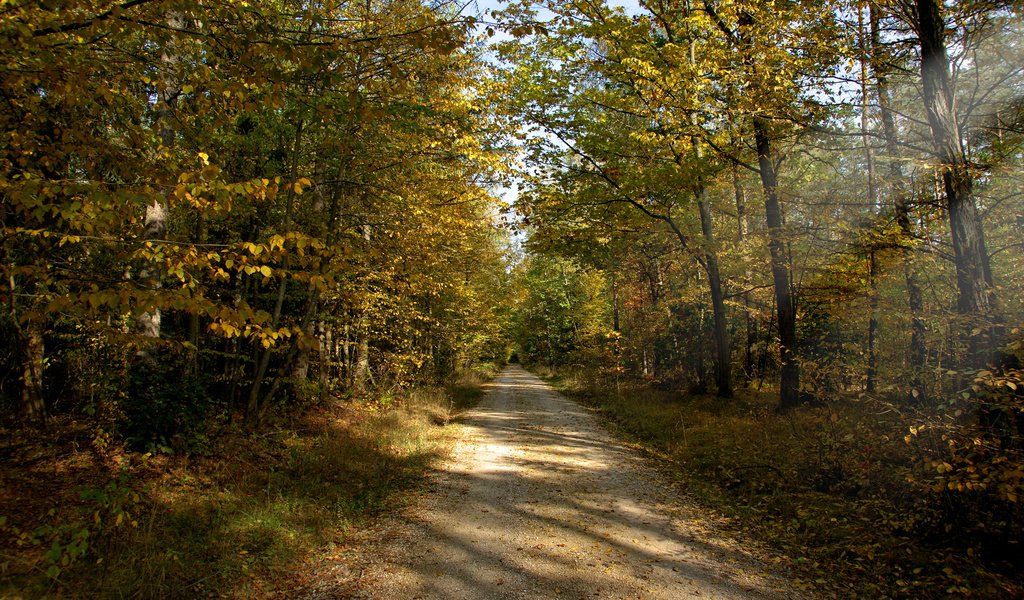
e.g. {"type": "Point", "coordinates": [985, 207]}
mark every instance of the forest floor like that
{"type": "Point", "coordinates": [249, 515]}
{"type": "Point", "coordinates": [836, 488]}
{"type": "Point", "coordinates": [539, 501]}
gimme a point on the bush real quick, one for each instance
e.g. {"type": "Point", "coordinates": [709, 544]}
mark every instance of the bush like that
{"type": "Point", "coordinates": [166, 408]}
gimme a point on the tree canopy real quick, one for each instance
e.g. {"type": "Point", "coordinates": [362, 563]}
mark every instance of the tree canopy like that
{"type": "Point", "coordinates": [227, 212]}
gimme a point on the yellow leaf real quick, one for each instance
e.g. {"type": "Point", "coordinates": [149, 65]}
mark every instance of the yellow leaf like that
{"type": "Point", "coordinates": [267, 271]}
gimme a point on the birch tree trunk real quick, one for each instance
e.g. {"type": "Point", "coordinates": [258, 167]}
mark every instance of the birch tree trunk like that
{"type": "Point", "coordinates": [148, 323]}
{"type": "Point", "coordinates": [361, 372]}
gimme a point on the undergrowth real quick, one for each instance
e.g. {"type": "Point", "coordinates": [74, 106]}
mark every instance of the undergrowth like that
{"type": "Point", "coordinates": [84, 517]}
{"type": "Point", "coordinates": [831, 487]}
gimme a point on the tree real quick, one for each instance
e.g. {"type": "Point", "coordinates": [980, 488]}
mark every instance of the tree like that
{"type": "Point", "coordinates": [975, 300]}
{"type": "Point", "coordinates": [622, 105]}
{"type": "Point", "coordinates": [217, 169]}
{"type": "Point", "coordinates": [677, 84]}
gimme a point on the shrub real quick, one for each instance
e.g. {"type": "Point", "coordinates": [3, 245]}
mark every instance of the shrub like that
{"type": "Point", "coordinates": [166, 408]}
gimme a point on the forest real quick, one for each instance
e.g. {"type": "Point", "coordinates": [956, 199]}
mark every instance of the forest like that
{"type": "Point", "coordinates": [257, 256]}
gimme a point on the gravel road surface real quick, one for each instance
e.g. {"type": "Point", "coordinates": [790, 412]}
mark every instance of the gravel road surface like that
{"type": "Point", "coordinates": [539, 501]}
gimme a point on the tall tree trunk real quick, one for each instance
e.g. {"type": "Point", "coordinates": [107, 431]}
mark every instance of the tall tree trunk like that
{"type": "Point", "coordinates": [361, 373]}
{"type": "Point", "coordinates": [723, 376]}
{"type": "Point", "coordinates": [723, 363]}
{"type": "Point", "coordinates": [33, 352]}
{"type": "Point", "coordinates": [871, 374]}
{"type": "Point", "coordinates": [918, 349]}
{"type": "Point", "coordinates": [346, 354]}
{"type": "Point", "coordinates": [872, 192]}
{"type": "Point", "coordinates": [28, 344]}
{"type": "Point", "coordinates": [789, 380]}
{"type": "Point", "coordinates": [751, 321]}
{"type": "Point", "coordinates": [300, 366]}
{"type": "Point", "coordinates": [325, 357]}
{"type": "Point", "coordinates": [785, 304]}
{"type": "Point", "coordinates": [975, 300]}
{"type": "Point", "coordinates": [149, 322]}
{"type": "Point", "coordinates": [255, 407]}
{"type": "Point", "coordinates": [615, 304]}
{"type": "Point", "coordinates": [723, 370]}
{"type": "Point", "coordinates": [865, 113]}
{"type": "Point", "coordinates": [902, 208]}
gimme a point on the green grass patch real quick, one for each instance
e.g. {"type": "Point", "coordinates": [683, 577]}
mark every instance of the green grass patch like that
{"type": "Point", "coordinates": [248, 520]}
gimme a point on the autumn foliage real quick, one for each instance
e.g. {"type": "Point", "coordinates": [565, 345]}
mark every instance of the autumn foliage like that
{"type": "Point", "coordinates": [264, 200]}
{"type": "Point", "coordinates": [220, 217]}
{"type": "Point", "coordinates": [820, 199]}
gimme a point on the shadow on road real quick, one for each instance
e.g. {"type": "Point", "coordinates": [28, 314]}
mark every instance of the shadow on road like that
{"type": "Point", "coordinates": [542, 502]}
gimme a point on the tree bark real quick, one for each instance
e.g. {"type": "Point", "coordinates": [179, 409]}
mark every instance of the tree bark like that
{"type": "Point", "coordinates": [902, 208]}
{"type": "Point", "coordinates": [785, 304]}
{"type": "Point", "coordinates": [615, 305]}
{"type": "Point", "coordinates": [33, 407]}
{"type": "Point", "coordinates": [28, 344]}
{"type": "Point", "coordinates": [325, 358]}
{"type": "Point", "coordinates": [789, 379]}
{"type": "Point", "coordinates": [751, 321]}
{"type": "Point", "coordinates": [300, 367]}
{"type": "Point", "coordinates": [346, 354]}
{"type": "Point", "coordinates": [975, 299]}
{"type": "Point", "coordinates": [871, 373]}
{"type": "Point", "coordinates": [723, 370]}
{"type": "Point", "coordinates": [361, 373]}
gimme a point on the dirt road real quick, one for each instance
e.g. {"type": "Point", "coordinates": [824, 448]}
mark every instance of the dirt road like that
{"type": "Point", "coordinates": [539, 501]}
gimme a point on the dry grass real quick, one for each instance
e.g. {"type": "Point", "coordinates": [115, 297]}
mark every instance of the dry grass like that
{"type": "Point", "coordinates": [831, 486]}
{"type": "Point", "coordinates": [248, 520]}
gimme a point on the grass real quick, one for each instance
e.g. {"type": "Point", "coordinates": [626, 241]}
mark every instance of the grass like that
{"type": "Point", "coordinates": [247, 520]}
{"type": "Point", "coordinates": [833, 488]}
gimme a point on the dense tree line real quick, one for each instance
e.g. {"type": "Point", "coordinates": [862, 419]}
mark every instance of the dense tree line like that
{"type": "Point", "coordinates": [214, 209]}
{"type": "Point", "coordinates": [819, 199]}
